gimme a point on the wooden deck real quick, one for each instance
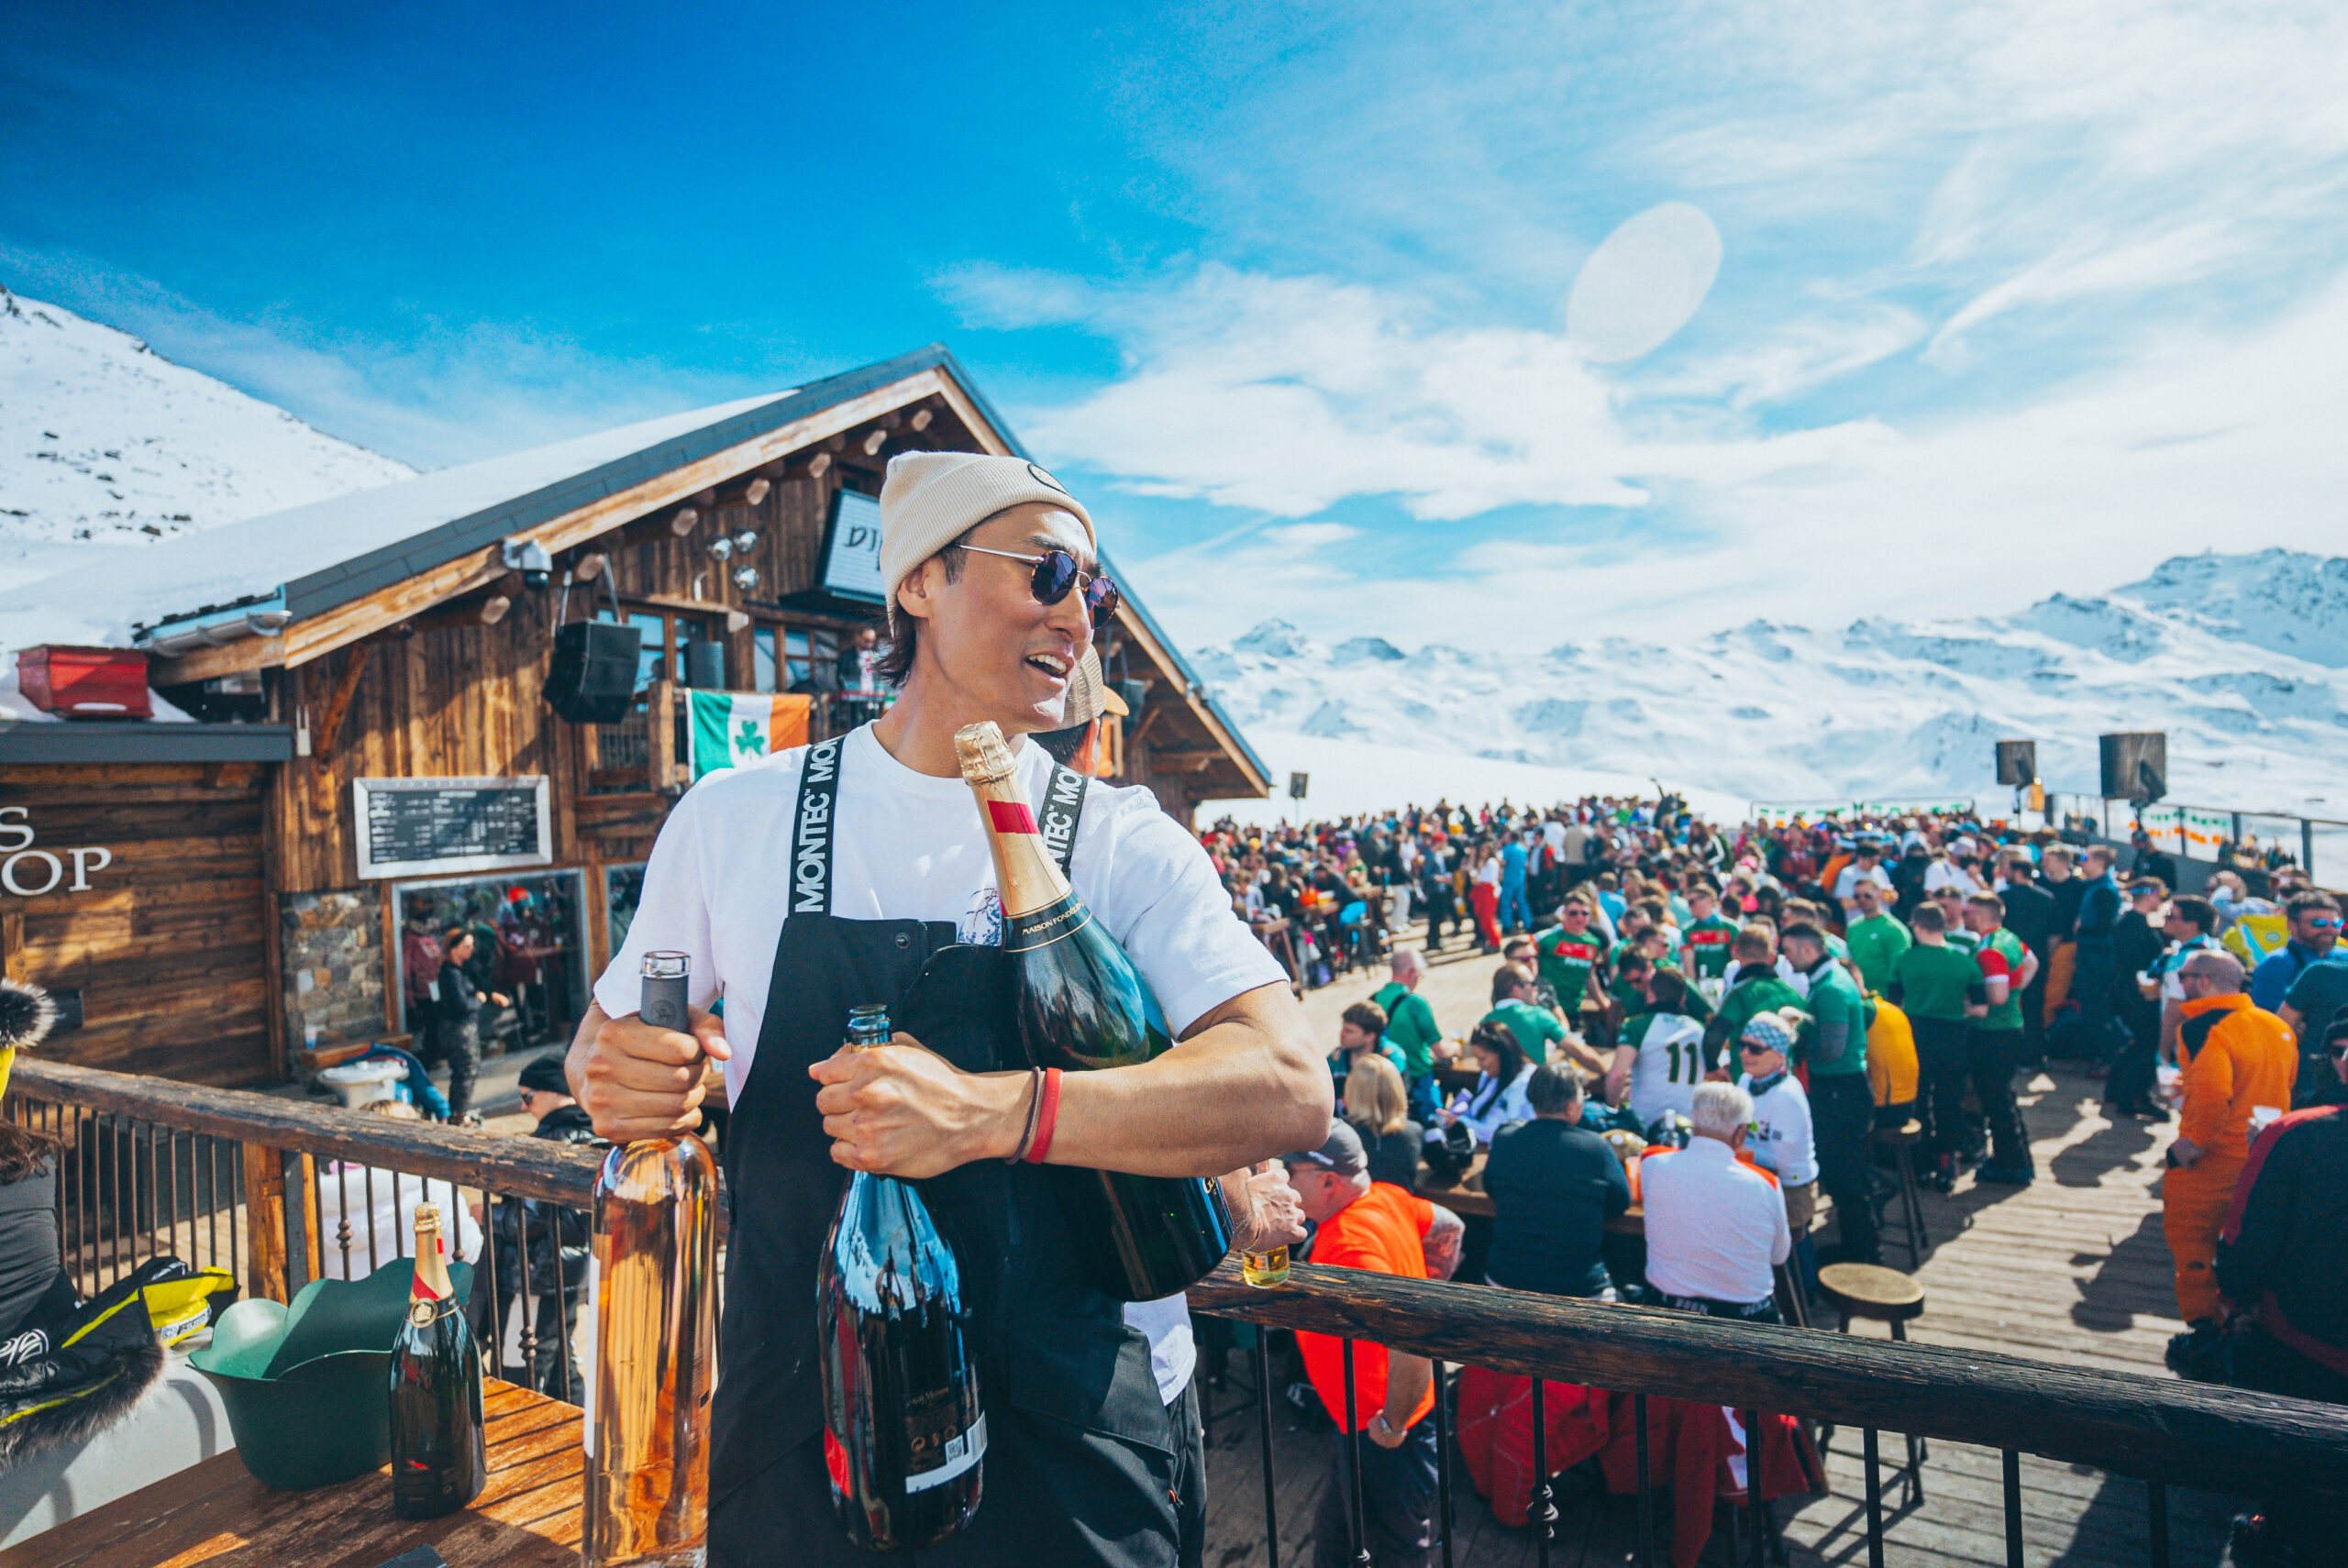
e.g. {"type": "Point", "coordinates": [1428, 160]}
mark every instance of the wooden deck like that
{"type": "Point", "coordinates": [2071, 1270]}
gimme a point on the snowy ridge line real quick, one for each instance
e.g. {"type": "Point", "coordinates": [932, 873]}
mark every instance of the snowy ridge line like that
{"type": "Point", "coordinates": [2241, 660]}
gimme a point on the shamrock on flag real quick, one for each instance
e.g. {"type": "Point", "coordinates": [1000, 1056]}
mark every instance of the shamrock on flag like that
{"type": "Point", "coordinates": [731, 728]}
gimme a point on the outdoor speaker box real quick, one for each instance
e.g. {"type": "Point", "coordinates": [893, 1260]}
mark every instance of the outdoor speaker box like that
{"type": "Point", "coordinates": [2017, 762]}
{"type": "Point", "coordinates": [591, 679]}
{"type": "Point", "coordinates": [2135, 766]}
{"type": "Point", "coordinates": [705, 665]}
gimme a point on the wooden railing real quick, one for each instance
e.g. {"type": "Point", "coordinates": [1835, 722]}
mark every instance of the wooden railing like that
{"type": "Point", "coordinates": [136, 1147]}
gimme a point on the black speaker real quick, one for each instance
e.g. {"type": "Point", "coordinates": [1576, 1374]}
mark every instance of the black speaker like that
{"type": "Point", "coordinates": [705, 665]}
{"type": "Point", "coordinates": [2017, 761]}
{"type": "Point", "coordinates": [2135, 766]}
{"type": "Point", "coordinates": [591, 679]}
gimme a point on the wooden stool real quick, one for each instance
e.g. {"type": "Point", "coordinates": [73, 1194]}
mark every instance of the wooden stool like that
{"type": "Point", "coordinates": [1870, 1290]}
{"type": "Point", "coordinates": [1902, 1140]}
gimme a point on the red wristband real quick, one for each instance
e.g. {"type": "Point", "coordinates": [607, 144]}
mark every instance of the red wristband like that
{"type": "Point", "coordinates": [1046, 1113]}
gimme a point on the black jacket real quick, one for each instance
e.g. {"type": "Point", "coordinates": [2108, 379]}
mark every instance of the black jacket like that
{"type": "Point", "coordinates": [2029, 914]}
{"type": "Point", "coordinates": [1554, 1185]}
{"type": "Point", "coordinates": [459, 996]}
{"type": "Point", "coordinates": [2284, 1245]}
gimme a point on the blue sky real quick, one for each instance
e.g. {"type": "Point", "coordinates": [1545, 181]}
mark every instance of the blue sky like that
{"type": "Point", "coordinates": [1920, 309]}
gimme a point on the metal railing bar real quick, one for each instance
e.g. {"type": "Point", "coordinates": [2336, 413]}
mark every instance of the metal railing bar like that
{"type": "Point", "coordinates": [1357, 1533]}
{"type": "Point", "coordinates": [1752, 1483]}
{"type": "Point", "coordinates": [2013, 1488]}
{"type": "Point", "coordinates": [1542, 1516]}
{"type": "Point", "coordinates": [1442, 1461]}
{"type": "Point", "coordinates": [1646, 1484]}
{"type": "Point", "coordinates": [2156, 1521]}
{"type": "Point", "coordinates": [171, 1183]}
{"type": "Point", "coordinates": [562, 1297]}
{"type": "Point", "coordinates": [1264, 1411]}
{"type": "Point", "coordinates": [529, 1329]}
{"type": "Point", "coordinates": [1875, 1499]}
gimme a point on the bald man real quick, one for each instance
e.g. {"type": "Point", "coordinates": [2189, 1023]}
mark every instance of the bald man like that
{"type": "Point", "coordinates": [1411, 1029]}
{"type": "Point", "coordinates": [2237, 1059]}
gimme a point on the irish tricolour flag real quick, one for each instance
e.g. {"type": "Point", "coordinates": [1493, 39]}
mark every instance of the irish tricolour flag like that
{"type": "Point", "coordinates": [731, 728]}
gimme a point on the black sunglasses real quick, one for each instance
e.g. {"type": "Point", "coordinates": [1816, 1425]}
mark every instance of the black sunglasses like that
{"type": "Point", "coordinates": [1056, 573]}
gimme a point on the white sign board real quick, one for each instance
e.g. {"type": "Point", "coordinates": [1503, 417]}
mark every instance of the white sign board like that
{"type": "Point", "coordinates": [419, 827]}
{"type": "Point", "coordinates": [852, 564]}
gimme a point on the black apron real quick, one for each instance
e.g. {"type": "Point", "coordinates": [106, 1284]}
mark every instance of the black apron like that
{"type": "Point", "coordinates": [1081, 1464]}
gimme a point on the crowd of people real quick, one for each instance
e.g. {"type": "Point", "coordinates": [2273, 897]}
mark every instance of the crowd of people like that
{"type": "Point", "coordinates": [1724, 1017]}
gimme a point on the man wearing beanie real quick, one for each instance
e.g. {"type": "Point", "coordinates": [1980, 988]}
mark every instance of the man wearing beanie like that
{"type": "Point", "coordinates": [856, 870]}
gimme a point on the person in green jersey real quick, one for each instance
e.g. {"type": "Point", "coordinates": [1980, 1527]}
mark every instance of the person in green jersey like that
{"type": "Point", "coordinates": [1933, 983]}
{"type": "Point", "coordinates": [1996, 1048]}
{"type": "Point", "coordinates": [1570, 953]}
{"type": "Point", "coordinates": [1842, 1106]}
{"type": "Point", "coordinates": [1876, 937]}
{"type": "Point", "coordinates": [1758, 988]}
{"type": "Point", "coordinates": [1411, 1029]}
{"type": "Point", "coordinates": [1535, 1027]}
{"type": "Point", "coordinates": [1706, 940]}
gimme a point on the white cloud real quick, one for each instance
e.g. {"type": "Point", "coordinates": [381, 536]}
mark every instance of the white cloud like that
{"type": "Point", "coordinates": [1288, 394]}
{"type": "Point", "coordinates": [447, 393]}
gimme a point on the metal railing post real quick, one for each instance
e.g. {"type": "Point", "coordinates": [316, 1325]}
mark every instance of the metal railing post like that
{"type": "Point", "coordinates": [1542, 1516]}
{"type": "Point", "coordinates": [1356, 1527]}
{"type": "Point", "coordinates": [1264, 1414]}
{"type": "Point", "coordinates": [1646, 1486]}
{"type": "Point", "coordinates": [2013, 1468]}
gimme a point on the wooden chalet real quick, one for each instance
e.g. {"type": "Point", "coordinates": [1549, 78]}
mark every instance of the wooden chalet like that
{"type": "Point", "coordinates": [224, 900]}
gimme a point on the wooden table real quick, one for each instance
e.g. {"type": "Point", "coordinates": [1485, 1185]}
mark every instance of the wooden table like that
{"type": "Point", "coordinates": [1466, 1199]}
{"type": "Point", "coordinates": [217, 1513]}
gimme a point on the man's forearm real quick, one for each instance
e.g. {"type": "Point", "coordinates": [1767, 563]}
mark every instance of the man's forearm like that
{"type": "Point", "coordinates": [1408, 1378]}
{"type": "Point", "coordinates": [1246, 1084]}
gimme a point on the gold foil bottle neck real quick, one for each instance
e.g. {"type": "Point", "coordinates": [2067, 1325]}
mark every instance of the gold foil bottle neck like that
{"type": "Point", "coordinates": [981, 751]}
{"type": "Point", "coordinates": [428, 1216]}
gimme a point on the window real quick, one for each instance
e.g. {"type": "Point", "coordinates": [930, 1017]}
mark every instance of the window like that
{"type": "Point", "coordinates": [623, 751]}
{"type": "Point", "coordinates": [795, 659]}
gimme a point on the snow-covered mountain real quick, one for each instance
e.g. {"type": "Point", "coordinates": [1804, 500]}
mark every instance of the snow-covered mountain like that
{"type": "Point", "coordinates": [107, 445]}
{"type": "Point", "coordinates": [2241, 660]}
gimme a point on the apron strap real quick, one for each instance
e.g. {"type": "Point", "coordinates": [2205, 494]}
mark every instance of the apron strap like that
{"type": "Point", "coordinates": [1063, 809]}
{"type": "Point", "coordinates": [814, 824]}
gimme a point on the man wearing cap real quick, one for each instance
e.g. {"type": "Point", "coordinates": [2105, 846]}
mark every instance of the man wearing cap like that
{"type": "Point", "coordinates": [856, 870]}
{"type": "Point", "coordinates": [1378, 1227]}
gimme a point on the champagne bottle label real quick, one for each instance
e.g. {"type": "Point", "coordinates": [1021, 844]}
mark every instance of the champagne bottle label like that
{"type": "Point", "coordinates": [952, 1457]}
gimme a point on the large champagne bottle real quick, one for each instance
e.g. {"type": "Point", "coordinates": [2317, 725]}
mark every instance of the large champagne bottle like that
{"type": "Point", "coordinates": [1082, 1005]}
{"type": "Point", "coordinates": [440, 1449]}
{"type": "Point", "coordinates": [904, 1429]}
{"type": "Point", "coordinates": [656, 1341]}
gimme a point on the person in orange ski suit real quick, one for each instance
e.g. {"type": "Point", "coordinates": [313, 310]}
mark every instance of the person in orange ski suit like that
{"type": "Point", "coordinates": [2235, 1058]}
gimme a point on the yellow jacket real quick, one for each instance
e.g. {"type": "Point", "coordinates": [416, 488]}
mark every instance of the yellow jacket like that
{"type": "Point", "coordinates": [2235, 1056]}
{"type": "Point", "coordinates": [1891, 1054]}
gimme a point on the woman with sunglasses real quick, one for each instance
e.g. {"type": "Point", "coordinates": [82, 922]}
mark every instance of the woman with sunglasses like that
{"type": "Point", "coordinates": [857, 870]}
{"type": "Point", "coordinates": [1783, 1141]}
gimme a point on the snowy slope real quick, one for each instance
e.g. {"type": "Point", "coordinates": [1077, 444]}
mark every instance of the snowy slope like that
{"type": "Point", "coordinates": [2240, 659]}
{"type": "Point", "coordinates": [104, 444]}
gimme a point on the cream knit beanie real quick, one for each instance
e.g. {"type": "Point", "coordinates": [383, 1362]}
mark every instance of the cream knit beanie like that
{"type": "Point", "coordinates": [931, 499]}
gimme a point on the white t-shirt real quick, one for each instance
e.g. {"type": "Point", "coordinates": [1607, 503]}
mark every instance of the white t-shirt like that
{"type": "Point", "coordinates": [910, 846]}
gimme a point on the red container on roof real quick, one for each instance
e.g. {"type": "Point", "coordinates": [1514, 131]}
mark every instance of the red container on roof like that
{"type": "Point", "coordinates": [84, 683]}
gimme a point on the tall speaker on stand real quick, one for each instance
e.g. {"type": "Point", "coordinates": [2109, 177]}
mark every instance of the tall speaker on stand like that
{"type": "Point", "coordinates": [2135, 766]}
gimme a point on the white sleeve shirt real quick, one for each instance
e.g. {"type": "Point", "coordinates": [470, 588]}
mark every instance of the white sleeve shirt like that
{"type": "Point", "coordinates": [1715, 1226]}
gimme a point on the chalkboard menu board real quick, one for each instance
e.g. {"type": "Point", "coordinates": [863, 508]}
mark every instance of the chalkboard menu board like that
{"type": "Point", "coordinates": [411, 827]}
